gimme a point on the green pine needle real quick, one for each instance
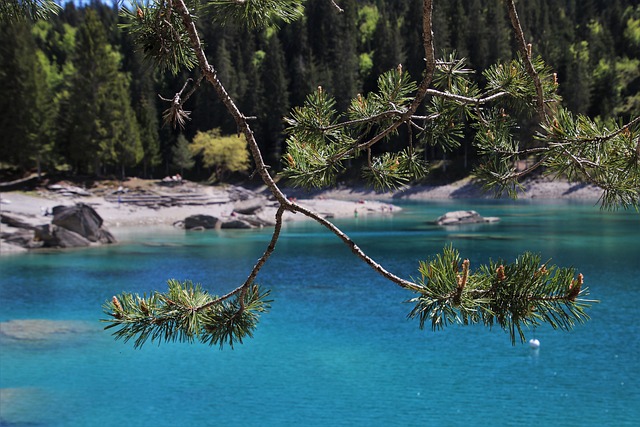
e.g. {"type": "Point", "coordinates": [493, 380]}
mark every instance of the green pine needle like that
{"type": "Point", "coordinates": [256, 13]}
{"type": "Point", "coordinates": [160, 34]}
{"type": "Point", "coordinates": [186, 313]}
{"type": "Point", "coordinates": [18, 10]}
{"type": "Point", "coordinates": [513, 296]}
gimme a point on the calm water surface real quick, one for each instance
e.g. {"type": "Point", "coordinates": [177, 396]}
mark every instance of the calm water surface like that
{"type": "Point", "coordinates": [336, 348]}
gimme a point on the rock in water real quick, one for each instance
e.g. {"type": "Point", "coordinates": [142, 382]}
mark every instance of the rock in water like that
{"type": "Point", "coordinates": [236, 223]}
{"type": "Point", "coordinates": [464, 217]}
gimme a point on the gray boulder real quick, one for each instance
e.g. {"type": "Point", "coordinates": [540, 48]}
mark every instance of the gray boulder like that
{"type": "Point", "coordinates": [464, 217]}
{"type": "Point", "coordinates": [22, 238]}
{"type": "Point", "coordinates": [249, 206]}
{"type": "Point", "coordinates": [72, 226]}
{"type": "Point", "coordinates": [15, 222]}
{"type": "Point", "coordinates": [200, 222]}
{"type": "Point", "coordinates": [237, 223]}
{"type": "Point", "coordinates": [83, 220]}
{"type": "Point", "coordinates": [53, 236]}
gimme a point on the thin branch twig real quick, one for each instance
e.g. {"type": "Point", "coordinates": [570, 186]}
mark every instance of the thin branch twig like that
{"type": "Point", "coordinates": [256, 268]}
{"type": "Point", "coordinates": [525, 51]}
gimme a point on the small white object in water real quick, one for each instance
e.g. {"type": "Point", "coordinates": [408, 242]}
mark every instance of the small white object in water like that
{"type": "Point", "coordinates": [534, 343]}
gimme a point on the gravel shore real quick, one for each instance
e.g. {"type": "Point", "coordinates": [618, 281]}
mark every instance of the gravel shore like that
{"type": "Point", "coordinates": [111, 203]}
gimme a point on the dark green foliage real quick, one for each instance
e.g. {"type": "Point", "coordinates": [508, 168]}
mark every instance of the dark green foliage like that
{"type": "Point", "coordinates": [319, 142]}
{"type": "Point", "coordinates": [274, 84]}
{"type": "Point", "coordinates": [98, 124]}
{"type": "Point", "coordinates": [604, 152]}
{"type": "Point", "coordinates": [255, 13]}
{"type": "Point", "coordinates": [593, 51]}
{"type": "Point", "coordinates": [186, 313]}
{"type": "Point", "coordinates": [159, 33]}
{"type": "Point", "coordinates": [25, 103]}
{"type": "Point", "coordinates": [20, 10]}
{"type": "Point", "coordinates": [182, 155]}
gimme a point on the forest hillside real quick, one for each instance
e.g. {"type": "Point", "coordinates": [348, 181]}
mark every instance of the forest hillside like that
{"type": "Point", "coordinates": [77, 98]}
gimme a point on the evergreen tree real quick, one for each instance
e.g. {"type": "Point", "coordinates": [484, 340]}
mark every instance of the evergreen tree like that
{"type": "Point", "coordinates": [388, 51]}
{"type": "Point", "coordinates": [100, 126]}
{"type": "Point", "coordinates": [275, 97]}
{"type": "Point", "coordinates": [411, 33]}
{"type": "Point", "coordinates": [459, 19]}
{"type": "Point", "coordinates": [143, 96]}
{"type": "Point", "coordinates": [301, 64]}
{"type": "Point", "coordinates": [147, 117]}
{"type": "Point", "coordinates": [182, 156]}
{"type": "Point", "coordinates": [345, 61]}
{"type": "Point", "coordinates": [25, 101]}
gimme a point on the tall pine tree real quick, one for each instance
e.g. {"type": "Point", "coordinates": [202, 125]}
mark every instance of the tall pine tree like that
{"type": "Point", "coordinates": [101, 127]}
{"type": "Point", "coordinates": [275, 98]}
{"type": "Point", "coordinates": [24, 101]}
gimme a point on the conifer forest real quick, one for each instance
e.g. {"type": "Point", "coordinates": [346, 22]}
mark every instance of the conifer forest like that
{"type": "Point", "coordinates": [77, 98]}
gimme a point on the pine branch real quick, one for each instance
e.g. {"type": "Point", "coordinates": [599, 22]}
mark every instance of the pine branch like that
{"type": "Point", "coordinates": [32, 10]}
{"type": "Point", "coordinates": [512, 296]}
{"type": "Point", "coordinates": [160, 34]}
{"type": "Point", "coordinates": [465, 99]}
{"type": "Point", "coordinates": [186, 313]}
{"type": "Point", "coordinates": [525, 51]}
{"type": "Point", "coordinates": [255, 13]}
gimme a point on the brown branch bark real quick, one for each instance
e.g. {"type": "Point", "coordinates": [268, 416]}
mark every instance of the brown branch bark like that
{"type": "Point", "coordinates": [356, 249]}
{"type": "Point", "coordinates": [211, 76]}
{"type": "Point", "coordinates": [525, 51]}
{"type": "Point", "coordinates": [256, 268]}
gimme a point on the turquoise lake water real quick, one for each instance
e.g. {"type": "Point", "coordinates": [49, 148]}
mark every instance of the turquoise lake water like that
{"type": "Point", "coordinates": [336, 348]}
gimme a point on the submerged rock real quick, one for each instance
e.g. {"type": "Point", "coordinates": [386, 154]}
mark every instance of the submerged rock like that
{"type": "Point", "coordinates": [464, 217]}
{"type": "Point", "coordinates": [41, 329]}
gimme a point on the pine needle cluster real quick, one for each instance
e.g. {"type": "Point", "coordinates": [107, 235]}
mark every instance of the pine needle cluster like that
{"type": "Point", "coordinates": [186, 313]}
{"type": "Point", "coordinates": [255, 13]}
{"type": "Point", "coordinates": [521, 294]}
{"type": "Point", "coordinates": [159, 33]}
{"type": "Point", "coordinates": [321, 140]}
{"type": "Point", "coordinates": [603, 152]}
{"type": "Point", "coordinates": [18, 10]}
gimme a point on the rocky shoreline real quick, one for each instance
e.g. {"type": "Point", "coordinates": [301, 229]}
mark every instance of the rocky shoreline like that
{"type": "Point", "coordinates": [142, 203]}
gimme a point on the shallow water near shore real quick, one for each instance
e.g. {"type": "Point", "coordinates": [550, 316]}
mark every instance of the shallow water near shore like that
{"type": "Point", "coordinates": [336, 348]}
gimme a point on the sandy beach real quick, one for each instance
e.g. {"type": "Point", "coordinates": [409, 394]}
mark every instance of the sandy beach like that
{"type": "Point", "coordinates": [140, 203]}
